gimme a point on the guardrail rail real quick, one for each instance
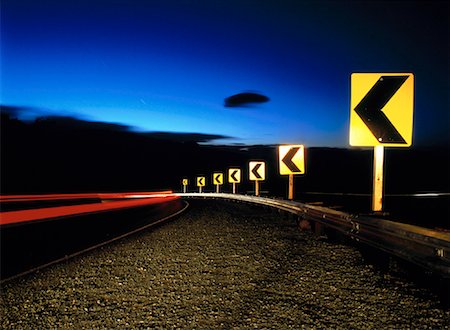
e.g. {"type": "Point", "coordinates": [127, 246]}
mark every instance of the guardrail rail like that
{"type": "Point", "coordinates": [424, 247]}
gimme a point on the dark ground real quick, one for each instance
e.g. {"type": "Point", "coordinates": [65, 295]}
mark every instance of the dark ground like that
{"type": "Point", "coordinates": [26, 246]}
{"type": "Point", "coordinates": [220, 265]}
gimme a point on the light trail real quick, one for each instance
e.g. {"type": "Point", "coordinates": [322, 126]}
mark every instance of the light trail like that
{"type": "Point", "coordinates": [134, 200]}
{"type": "Point", "coordinates": [30, 198]}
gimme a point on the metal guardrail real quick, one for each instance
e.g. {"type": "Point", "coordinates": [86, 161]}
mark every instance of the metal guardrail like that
{"type": "Point", "coordinates": [427, 248]}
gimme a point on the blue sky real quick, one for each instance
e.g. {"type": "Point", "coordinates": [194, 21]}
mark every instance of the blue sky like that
{"type": "Point", "coordinates": [169, 65]}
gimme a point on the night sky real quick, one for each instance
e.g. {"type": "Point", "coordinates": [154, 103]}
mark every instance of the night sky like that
{"type": "Point", "coordinates": [168, 66]}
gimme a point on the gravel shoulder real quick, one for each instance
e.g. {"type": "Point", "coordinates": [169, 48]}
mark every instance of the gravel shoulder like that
{"type": "Point", "coordinates": [219, 265]}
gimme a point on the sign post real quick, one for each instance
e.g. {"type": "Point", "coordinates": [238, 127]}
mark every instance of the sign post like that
{"type": "Point", "coordinates": [291, 187]}
{"type": "Point", "coordinates": [381, 115]}
{"type": "Point", "coordinates": [234, 177]}
{"type": "Point", "coordinates": [200, 183]}
{"type": "Point", "coordinates": [291, 161]}
{"type": "Point", "coordinates": [378, 160]}
{"type": "Point", "coordinates": [257, 172]}
{"type": "Point", "coordinates": [218, 181]}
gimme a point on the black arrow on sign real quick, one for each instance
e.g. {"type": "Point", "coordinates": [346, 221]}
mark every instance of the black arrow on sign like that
{"type": "Point", "coordinates": [287, 159]}
{"type": "Point", "coordinates": [217, 178]}
{"type": "Point", "coordinates": [233, 175]}
{"type": "Point", "coordinates": [200, 181]}
{"type": "Point", "coordinates": [369, 109]}
{"type": "Point", "coordinates": [255, 171]}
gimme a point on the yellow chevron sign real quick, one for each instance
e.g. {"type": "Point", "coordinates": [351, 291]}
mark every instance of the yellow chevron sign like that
{"type": "Point", "coordinates": [201, 181]}
{"type": "Point", "coordinates": [257, 171]}
{"type": "Point", "coordinates": [218, 178]}
{"type": "Point", "coordinates": [234, 175]}
{"type": "Point", "coordinates": [381, 109]}
{"type": "Point", "coordinates": [291, 159]}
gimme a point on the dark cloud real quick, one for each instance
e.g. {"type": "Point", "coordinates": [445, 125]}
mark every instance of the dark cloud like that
{"type": "Point", "coordinates": [66, 123]}
{"type": "Point", "coordinates": [186, 137]}
{"type": "Point", "coordinates": [73, 124]}
{"type": "Point", "coordinates": [11, 111]}
{"type": "Point", "coordinates": [245, 99]}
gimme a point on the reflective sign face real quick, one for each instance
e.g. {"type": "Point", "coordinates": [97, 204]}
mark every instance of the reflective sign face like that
{"type": "Point", "coordinates": [257, 171]}
{"type": "Point", "coordinates": [291, 159]}
{"type": "Point", "coordinates": [201, 181]}
{"type": "Point", "coordinates": [381, 109]}
{"type": "Point", "coordinates": [218, 178]}
{"type": "Point", "coordinates": [185, 182]}
{"type": "Point", "coordinates": [234, 175]}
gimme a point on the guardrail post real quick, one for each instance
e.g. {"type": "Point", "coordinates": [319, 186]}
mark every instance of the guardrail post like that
{"type": "Point", "coordinates": [303, 224]}
{"type": "Point", "coordinates": [318, 229]}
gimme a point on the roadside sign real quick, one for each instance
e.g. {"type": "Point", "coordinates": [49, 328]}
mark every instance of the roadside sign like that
{"type": "Point", "coordinates": [185, 183]}
{"type": "Point", "coordinates": [381, 115]}
{"type": "Point", "coordinates": [218, 181]}
{"type": "Point", "coordinates": [257, 171]}
{"type": "Point", "coordinates": [201, 181]}
{"type": "Point", "coordinates": [234, 175]}
{"type": "Point", "coordinates": [291, 159]}
{"type": "Point", "coordinates": [218, 178]}
{"type": "Point", "coordinates": [381, 109]}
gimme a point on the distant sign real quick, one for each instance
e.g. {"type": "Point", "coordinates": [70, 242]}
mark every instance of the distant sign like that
{"type": "Point", "coordinates": [291, 159]}
{"type": "Point", "coordinates": [185, 182]}
{"type": "Point", "coordinates": [381, 112]}
{"type": "Point", "coordinates": [218, 178]}
{"type": "Point", "coordinates": [234, 175]}
{"type": "Point", "coordinates": [201, 181]}
{"type": "Point", "coordinates": [257, 171]}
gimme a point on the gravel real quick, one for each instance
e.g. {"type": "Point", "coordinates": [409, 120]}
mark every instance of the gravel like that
{"type": "Point", "coordinates": [219, 265]}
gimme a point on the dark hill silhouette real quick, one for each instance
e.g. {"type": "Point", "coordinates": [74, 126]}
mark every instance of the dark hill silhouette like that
{"type": "Point", "coordinates": [64, 154]}
{"type": "Point", "coordinates": [68, 155]}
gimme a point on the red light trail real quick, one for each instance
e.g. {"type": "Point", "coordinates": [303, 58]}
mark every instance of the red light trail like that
{"type": "Point", "coordinates": [120, 201]}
